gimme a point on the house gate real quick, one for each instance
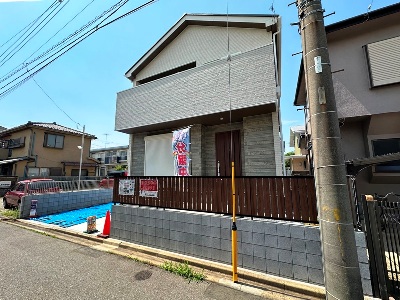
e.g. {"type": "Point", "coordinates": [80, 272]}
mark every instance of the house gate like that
{"type": "Point", "coordinates": [382, 231]}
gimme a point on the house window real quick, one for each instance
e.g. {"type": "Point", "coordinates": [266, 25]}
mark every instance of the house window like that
{"type": "Point", "coordinates": [387, 146]}
{"type": "Point", "coordinates": [34, 171]}
{"type": "Point", "coordinates": [75, 172]}
{"type": "Point", "coordinates": [53, 141]}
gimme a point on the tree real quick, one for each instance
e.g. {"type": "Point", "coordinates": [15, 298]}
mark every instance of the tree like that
{"type": "Point", "coordinates": [287, 161]}
{"type": "Point", "coordinates": [120, 167]}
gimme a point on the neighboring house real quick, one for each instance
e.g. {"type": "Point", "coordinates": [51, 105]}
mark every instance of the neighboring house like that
{"type": "Point", "coordinates": [187, 79]}
{"type": "Point", "coordinates": [44, 149]}
{"type": "Point", "coordinates": [299, 163]}
{"type": "Point", "coordinates": [365, 61]}
{"type": "Point", "coordinates": [110, 157]}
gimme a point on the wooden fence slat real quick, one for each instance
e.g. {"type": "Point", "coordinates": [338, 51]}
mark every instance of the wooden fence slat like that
{"type": "Point", "coordinates": [280, 197]}
{"type": "Point", "coordinates": [296, 200]}
{"type": "Point", "coordinates": [196, 194]}
{"type": "Point", "coordinates": [312, 200]}
{"type": "Point", "coordinates": [305, 211]}
{"type": "Point", "coordinates": [253, 198]}
{"type": "Point", "coordinates": [274, 199]}
{"type": "Point", "coordinates": [290, 198]}
{"type": "Point", "coordinates": [260, 197]}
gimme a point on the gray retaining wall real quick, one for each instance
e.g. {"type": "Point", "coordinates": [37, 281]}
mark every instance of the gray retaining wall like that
{"type": "Point", "coordinates": [52, 203]}
{"type": "Point", "coordinates": [287, 249]}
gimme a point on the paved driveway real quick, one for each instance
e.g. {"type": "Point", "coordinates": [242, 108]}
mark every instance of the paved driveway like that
{"type": "Point", "coordinates": [35, 266]}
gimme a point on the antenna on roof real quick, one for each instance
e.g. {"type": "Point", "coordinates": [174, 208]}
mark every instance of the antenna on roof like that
{"type": "Point", "coordinates": [105, 143]}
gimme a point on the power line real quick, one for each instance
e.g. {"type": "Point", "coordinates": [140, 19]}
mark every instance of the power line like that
{"type": "Point", "coordinates": [30, 24]}
{"type": "Point", "coordinates": [27, 35]}
{"type": "Point", "coordinates": [62, 42]}
{"type": "Point", "coordinates": [35, 33]}
{"type": "Point", "coordinates": [54, 101]}
{"type": "Point", "coordinates": [24, 64]}
{"type": "Point", "coordinates": [72, 44]}
{"type": "Point", "coordinates": [66, 24]}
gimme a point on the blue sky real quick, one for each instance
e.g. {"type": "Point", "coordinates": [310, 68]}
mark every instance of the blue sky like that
{"type": "Point", "coordinates": [83, 83]}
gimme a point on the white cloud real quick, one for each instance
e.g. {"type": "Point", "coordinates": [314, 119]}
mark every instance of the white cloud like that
{"type": "Point", "coordinates": [286, 122]}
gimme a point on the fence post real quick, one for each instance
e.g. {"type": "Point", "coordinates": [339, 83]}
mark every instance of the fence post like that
{"type": "Point", "coordinates": [377, 265]}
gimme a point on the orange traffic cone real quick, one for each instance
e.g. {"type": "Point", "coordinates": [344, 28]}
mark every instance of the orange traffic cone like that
{"type": "Point", "coordinates": [107, 225]}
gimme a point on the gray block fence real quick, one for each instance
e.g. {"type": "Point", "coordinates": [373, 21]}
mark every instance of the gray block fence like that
{"type": "Point", "coordinates": [52, 203]}
{"type": "Point", "coordinates": [287, 249]}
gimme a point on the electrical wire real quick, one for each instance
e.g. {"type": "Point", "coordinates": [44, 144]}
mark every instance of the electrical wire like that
{"type": "Point", "coordinates": [54, 101]}
{"type": "Point", "coordinates": [63, 41]}
{"type": "Point", "coordinates": [66, 24]}
{"type": "Point", "coordinates": [30, 26]}
{"type": "Point", "coordinates": [24, 64]}
{"type": "Point", "coordinates": [71, 44]}
{"type": "Point", "coordinates": [3, 60]}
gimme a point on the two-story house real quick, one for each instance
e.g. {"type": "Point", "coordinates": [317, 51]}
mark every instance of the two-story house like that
{"type": "Point", "coordinates": [45, 149]}
{"type": "Point", "coordinates": [365, 61]}
{"type": "Point", "coordinates": [218, 76]}
{"type": "Point", "coordinates": [110, 157]}
{"type": "Point", "coordinates": [299, 161]}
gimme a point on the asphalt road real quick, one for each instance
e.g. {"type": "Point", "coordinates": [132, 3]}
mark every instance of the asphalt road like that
{"type": "Point", "coordinates": [34, 266]}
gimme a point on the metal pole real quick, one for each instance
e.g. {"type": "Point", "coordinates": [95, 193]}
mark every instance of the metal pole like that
{"type": "Point", "coordinates": [80, 161]}
{"type": "Point", "coordinates": [234, 229]}
{"type": "Point", "coordinates": [339, 252]}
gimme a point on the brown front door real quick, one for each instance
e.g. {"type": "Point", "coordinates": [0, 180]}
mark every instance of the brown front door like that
{"type": "Point", "coordinates": [223, 146]}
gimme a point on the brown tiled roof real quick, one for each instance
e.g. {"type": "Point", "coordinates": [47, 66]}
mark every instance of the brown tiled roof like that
{"type": "Point", "coordinates": [53, 127]}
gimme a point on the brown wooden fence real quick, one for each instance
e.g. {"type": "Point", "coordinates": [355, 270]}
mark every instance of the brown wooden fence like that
{"type": "Point", "coordinates": [287, 198]}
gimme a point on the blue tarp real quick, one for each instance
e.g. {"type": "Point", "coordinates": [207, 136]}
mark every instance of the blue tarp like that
{"type": "Point", "coordinates": [75, 217]}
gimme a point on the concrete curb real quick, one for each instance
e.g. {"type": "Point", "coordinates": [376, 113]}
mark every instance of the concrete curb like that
{"type": "Point", "coordinates": [266, 286]}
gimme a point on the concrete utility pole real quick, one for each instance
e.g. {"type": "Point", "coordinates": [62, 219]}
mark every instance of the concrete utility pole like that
{"type": "Point", "coordinates": [340, 261]}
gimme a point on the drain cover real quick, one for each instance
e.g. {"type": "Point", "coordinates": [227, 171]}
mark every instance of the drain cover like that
{"type": "Point", "coordinates": [143, 275]}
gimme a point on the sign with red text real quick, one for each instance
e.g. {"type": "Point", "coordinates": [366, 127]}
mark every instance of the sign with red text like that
{"type": "Point", "coordinates": [148, 187]}
{"type": "Point", "coordinates": [181, 151]}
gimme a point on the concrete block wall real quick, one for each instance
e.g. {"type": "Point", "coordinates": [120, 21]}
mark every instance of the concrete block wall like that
{"type": "Point", "coordinates": [287, 249]}
{"type": "Point", "coordinates": [52, 203]}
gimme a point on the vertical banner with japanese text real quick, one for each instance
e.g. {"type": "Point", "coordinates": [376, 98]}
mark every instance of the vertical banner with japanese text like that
{"type": "Point", "coordinates": [181, 151]}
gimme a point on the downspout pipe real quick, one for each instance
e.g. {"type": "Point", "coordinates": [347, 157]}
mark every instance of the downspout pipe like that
{"type": "Point", "coordinates": [278, 92]}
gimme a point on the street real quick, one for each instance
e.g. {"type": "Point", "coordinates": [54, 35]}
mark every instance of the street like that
{"type": "Point", "coordinates": [35, 266]}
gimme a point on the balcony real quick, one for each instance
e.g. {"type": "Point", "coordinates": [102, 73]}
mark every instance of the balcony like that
{"type": "Point", "coordinates": [201, 95]}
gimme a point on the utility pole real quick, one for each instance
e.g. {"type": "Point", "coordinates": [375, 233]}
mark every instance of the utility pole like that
{"type": "Point", "coordinates": [339, 252]}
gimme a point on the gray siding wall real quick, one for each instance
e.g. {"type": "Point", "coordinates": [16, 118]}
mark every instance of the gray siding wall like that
{"type": "Point", "coordinates": [196, 155]}
{"type": "Point", "coordinates": [286, 249]}
{"type": "Point", "coordinates": [200, 91]}
{"type": "Point", "coordinates": [138, 151]}
{"type": "Point", "coordinates": [204, 44]}
{"type": "Point", "coordinates": [259, 148]}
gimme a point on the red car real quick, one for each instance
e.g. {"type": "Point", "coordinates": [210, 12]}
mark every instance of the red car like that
{"type": "Point", "coordinates": [108, 182]}
{"type": "Point", "coordinates": [33, 186]}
